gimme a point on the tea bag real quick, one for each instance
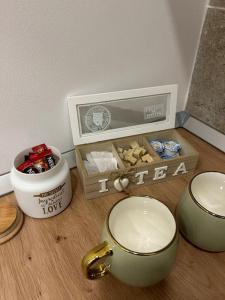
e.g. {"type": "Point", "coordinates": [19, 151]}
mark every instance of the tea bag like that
{"type": "Point", "coordinates": [90, 167]}
{"type": "Point", "coordinates": [100, 161]}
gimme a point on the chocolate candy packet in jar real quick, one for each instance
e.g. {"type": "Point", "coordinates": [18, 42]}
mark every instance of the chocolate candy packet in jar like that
{"type": "Point", "coordinates": [40, 160]}
{"type": "Point", "coordinates": [27, 167]}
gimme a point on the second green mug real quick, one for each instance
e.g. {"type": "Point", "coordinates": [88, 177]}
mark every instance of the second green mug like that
{"type": "Point", "coordinates": [201, 212]}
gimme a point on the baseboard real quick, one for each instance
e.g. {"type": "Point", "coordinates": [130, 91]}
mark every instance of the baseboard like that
{"type": "Point", "coordinates": [5, 182]}
{"type": "Point", "coordinates": [207, 133]}
{"type": "Point", "coordinates": [70, 157]}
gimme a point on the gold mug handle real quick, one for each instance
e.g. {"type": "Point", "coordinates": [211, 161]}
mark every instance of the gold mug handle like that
{"type": "Point", "coordinates": [92, 268]}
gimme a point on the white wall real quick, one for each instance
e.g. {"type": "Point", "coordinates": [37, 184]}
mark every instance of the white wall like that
{"type": "Point", "coordinates": [51, 48]}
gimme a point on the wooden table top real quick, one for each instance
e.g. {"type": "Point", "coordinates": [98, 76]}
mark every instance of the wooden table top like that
{"type": "Point", "coordinates": [44, 260]}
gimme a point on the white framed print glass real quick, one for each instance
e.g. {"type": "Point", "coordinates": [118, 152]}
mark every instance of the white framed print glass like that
{"type": "Point", "coordinates": [98, 117]}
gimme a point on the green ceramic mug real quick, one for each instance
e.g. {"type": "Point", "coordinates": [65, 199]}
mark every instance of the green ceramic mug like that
{"type": "Point", "coordinates": [201, 212]}
{"type": "Point", "coordinates": [139, 243]}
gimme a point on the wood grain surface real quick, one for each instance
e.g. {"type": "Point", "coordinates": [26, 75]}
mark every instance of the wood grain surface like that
{"type": "Point", "coordinates": [14, 228]}
{"type": "Point", "coordinates": [7, 216]}
{"type": "Point", "coordinates": [43, 260]}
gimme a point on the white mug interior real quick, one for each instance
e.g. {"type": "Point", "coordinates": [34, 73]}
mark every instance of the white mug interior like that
{"type": "Point", "coordinates": [208, 189]}
{"type": "Point", "coordinates": [142, 224]}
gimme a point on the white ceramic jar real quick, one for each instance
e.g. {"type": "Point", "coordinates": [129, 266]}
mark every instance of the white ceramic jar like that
{"type": "Point", "coordinates": [42, 195]}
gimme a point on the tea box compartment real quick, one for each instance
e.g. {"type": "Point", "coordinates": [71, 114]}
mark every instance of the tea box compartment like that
{"type": "Point", "coordinates": [101, 184]}
{"type": "Point", "coordinates": [97, 147]}
{"type": "Point", "coordinates": [135, 144]}
{"type": "Point", "coordinates": [170, 135]}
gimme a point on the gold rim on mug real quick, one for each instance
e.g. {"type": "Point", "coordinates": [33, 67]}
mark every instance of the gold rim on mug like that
{"type": "Point", "coordinates": [131, 251]}
{"type": "Point", "coordinates": [193, 197]}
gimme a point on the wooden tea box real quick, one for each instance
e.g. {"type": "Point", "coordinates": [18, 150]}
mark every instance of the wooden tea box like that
{"type": "Point", "coordinates": [117, 121]}
{"type": "Point", "coordinates": [97, 185]}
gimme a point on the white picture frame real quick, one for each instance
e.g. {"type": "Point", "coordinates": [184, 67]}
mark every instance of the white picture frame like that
{"type": "Point", "coordinates": [74, 101]}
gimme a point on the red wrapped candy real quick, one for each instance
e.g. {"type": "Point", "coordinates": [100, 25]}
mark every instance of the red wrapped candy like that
{"type": "Point", "coordinates": [40, 160]}
{"type": "Point", "coordinates": [27, 167]}
{"type": "Point", "coordinates": [39, 148]}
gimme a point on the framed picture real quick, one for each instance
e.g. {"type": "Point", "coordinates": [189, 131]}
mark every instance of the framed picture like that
{"type": "Point", "coordinates": [106, 116]}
